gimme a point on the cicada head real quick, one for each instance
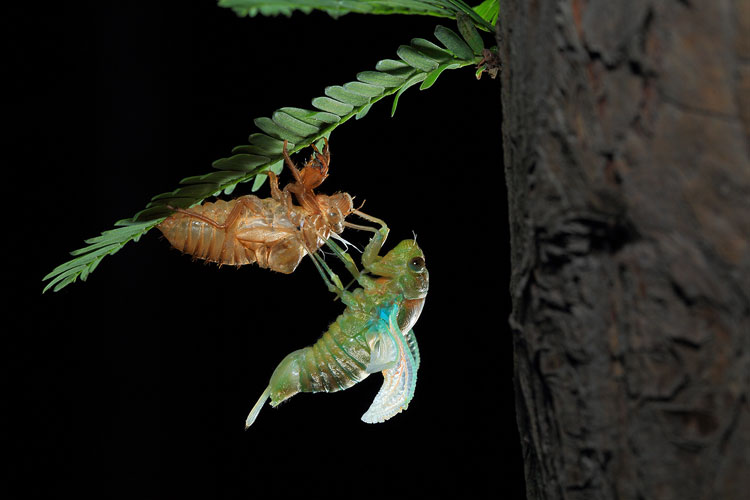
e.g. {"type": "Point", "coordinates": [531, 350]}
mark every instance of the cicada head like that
{"type": "Point", "coordinates": [405, 266]}
{"type": "Point", "coordinates": [335, 209]}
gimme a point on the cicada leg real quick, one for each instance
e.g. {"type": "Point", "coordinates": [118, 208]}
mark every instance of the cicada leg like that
{"type": "Point", "coordinates": [304, 182]}
{"type": "Point", "coordinates": [273, 181]}
{"type": "Point", "coordinates": [284, 197]}
{"type": "Point", "coordinates": [345, 258]}
{"type": "Point", "coordinates": [331, 279]}
{"type": "Point", "coordinates": [230, 219]}
{"type": "Point", "coordinates": [370, 255]}
{"type": "Point", "coordinates": [290, 163]}
{"type": "Point", "coordinates": [323, 160]}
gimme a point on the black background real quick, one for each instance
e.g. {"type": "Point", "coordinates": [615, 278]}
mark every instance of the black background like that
{"type": "Point", "coordinates": [137, 382]}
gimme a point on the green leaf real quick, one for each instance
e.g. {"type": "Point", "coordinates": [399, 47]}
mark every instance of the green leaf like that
{"type": "Point", "coordinates": [433, 76]}
{"type": "Point", "coordinates": [337, 8]}
{"type": "Point", "coordinates": [415, 59]}
{"type": "Point", "coordinates": [453, 42]}
{"type": "Point", "coordinates": [364, 89]}
{"type": "Point", "coordinates": [332, 106]}
{"type": "Point", "coordinates": [269, 144]}
{"type": "Point", "coordinates": [380, 78]}
{"type": "Point", "coordinates": [470, 34]}
{"type": "Point", "coordinates": [213, 178]}
{"type": "Point", "coordinates": [412, 81]}
{"type": "Point", "coordinates": [275, 130]}
{"type": "Point", "coordinates": [463, 7]}
{"type": "Point", "coordinates": [362, 112]}
{"type": "Point", "coordinates": [297, 126]}
{"type": "Point", "coordinates": [87, 259]}
{"type": "Point", "coordinates": [392, 66]}
{"type": "Point", "coordinates": [345, 95]}
{"type": "Point", "coordinates": [488, 10]}
{"type": "Point", "coordinates": [240, 163]}
{"type": "Point", "coordinates": [429, 49]}
{"type": "Point", "coordinates": [316, 118]}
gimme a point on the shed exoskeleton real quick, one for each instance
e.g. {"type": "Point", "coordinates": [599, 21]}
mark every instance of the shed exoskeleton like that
{"type": "Point", "coordinates": [272, 232]}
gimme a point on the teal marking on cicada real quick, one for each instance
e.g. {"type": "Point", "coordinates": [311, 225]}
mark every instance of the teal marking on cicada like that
{"type": "Point", "coordinates": [374, 333]}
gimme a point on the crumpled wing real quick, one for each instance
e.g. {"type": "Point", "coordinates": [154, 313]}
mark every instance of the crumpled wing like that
{"type": "Point", "coordinates": [411, 341]}
{"type": "Point", "coordinates": [384, 350]}
{"type": "Point", "coordinates": [400, 376]}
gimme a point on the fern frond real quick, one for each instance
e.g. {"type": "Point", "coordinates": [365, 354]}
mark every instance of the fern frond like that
{"type": "Point", "coordinates": [421, 61]}
{"type": "Point", "coordinates": [336, 8]}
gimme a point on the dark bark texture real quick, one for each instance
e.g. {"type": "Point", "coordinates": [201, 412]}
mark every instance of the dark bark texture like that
{"type": "Point", "coordinates": [625, 129]}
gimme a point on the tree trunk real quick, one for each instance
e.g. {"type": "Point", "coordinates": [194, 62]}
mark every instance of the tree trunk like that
{"type": "Point", "coordinates": [625, 129]}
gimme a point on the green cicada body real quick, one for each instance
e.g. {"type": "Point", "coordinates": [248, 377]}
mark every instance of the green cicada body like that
{"type": "Point", "coordinates": [374, 334]}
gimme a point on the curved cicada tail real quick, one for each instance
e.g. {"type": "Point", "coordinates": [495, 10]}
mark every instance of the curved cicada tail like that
{"type": "Point", "coordinates": [258, 406]}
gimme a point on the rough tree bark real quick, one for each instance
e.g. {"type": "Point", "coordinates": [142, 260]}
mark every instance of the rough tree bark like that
{"type": "Point", "coordinates": [626, 127]}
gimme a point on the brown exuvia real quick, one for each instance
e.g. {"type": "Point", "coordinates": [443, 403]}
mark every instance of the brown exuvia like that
{"type": "Point", "coordinates": [272, 232]}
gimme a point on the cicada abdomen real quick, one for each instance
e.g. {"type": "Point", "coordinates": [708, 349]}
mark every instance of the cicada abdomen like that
{"type": "Point", "coordinates": [271, 232]}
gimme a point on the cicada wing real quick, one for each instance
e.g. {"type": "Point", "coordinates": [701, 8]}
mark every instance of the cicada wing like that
{"type": "Point", "coordinates": [411, 341]}
{"type": "Point", "coordinates": [384, 348]}
{"type": "Point", "coordinates": [399, 381]}
{"type": "Point", "coordinates": [277, 246]}
{"type": "Point", "coordinates": [265, 230]}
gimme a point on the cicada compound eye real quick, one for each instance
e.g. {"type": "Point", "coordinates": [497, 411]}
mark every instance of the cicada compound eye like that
{"type": "Point", "coordinates": [417, 264]}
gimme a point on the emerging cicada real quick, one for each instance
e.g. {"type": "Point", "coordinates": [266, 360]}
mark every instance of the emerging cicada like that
{"type": "Point", "coordinates": [272, 232]}
{"type": "Point", "coordinates": [374, 333]}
